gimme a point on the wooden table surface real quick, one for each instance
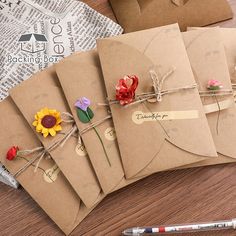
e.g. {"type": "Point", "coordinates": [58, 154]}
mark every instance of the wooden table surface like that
{"type": "Point", "coordinates": [201, 194]}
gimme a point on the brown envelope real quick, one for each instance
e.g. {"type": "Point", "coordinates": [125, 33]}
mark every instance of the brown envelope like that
{"type": "Point", "coordinates": [136, 15]}
{"type": "Point", "coordinates": [208, 60]}
{"type": "Point", "coordinates": [228, 37]}
{"type": "Point", "coordinates": [41, 91]}
{"type": "Point", "coordinates": [48, 186]}
{"type": "Point", "coordinates": [165, 138]}
{"type": "Point", "coordinates": [85, 67]}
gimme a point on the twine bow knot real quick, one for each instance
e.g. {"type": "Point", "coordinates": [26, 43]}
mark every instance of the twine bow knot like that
{"type": "Point", "coordinates": [43, 152]}
{"type": "Point", "coordinates": [158, 84]}
{"type": "Point", "coordinates": [158, 93]}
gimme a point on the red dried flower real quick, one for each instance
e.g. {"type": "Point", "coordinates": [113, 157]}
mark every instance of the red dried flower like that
{"type": "Point", "coordinates": [125, 90]}
{"type": "Point", "coordinates": [12, 153]}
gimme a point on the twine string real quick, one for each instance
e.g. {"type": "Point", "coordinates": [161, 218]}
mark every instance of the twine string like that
{"type": "Point", "coordinates": [234, 86]}
{"type": "Point", "coordinates": [22, 169]}
{"type": "Point", "coordinates": [28, 151]}
{"type": "Point", "coordinates": [68, 117]}
{"type": "Point", "coordinates": [94, 125]}
{"type": "Point", "coordinates": [43, 152]}
{"type": "Point", "coordinates": [211, 93]}
{"type": "Point", "coordinates": [158, 92]}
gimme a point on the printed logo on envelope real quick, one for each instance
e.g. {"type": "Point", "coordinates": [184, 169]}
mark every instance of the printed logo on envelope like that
{"type": "Point", "coordinates": [80, 150]}
{"type": "Point", "coordinates": [110, 134]}
{"type": "Point", "coordinates": [51, 174]}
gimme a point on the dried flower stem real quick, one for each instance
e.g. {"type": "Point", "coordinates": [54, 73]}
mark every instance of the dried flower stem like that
{"type": "Point", "coordinates": [100, 139]}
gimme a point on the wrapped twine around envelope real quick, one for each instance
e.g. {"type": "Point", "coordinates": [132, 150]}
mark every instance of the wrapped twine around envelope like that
{"type": "Point", "coordinates": [94, 125]}
{"type": "Point", "coordinates": [158, 93]}
{"type": "Point", "coordinates": [212, 93]}
{"type": "Point", "coordinates": [157, 86]}
{"type": "Point", "coordinates": [234, 86]}
{"type": "Point", "coordinates": [44, 152]}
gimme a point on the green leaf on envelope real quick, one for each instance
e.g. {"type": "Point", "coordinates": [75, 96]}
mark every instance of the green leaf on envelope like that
{"type": "Point", "coordinates": [85, 117]}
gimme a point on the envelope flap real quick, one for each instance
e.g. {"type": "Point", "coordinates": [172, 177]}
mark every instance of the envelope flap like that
{"type": "Point", "coordinates": [16, 134]}
{"type": "Point", "coordinates": [41, 188]}
{"type": "Point", "coordinates": [206, 53]}
{"type": "Point", "coordinates": [151, 3]}
{"type": "Point", "coordinates": [81, 76]}
{"type": "Point", "coordinates": [208, 60]}
{"type": "Point", "coordinates": [39, 92]}
{"type": "Point", "coordinates": [136, 15]}
{"type": "Point", "coordinates": [88, 88]}
{"type": "Point", "coordinates": [179, 2]}
{"type": "Point", "coordinates": [89, 58]}
{"type": "Point", "coordinates": [166, 50]}
{"type": "Point", "coordinates": [228, 35]}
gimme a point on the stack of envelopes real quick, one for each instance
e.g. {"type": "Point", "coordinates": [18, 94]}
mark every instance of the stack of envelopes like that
{"type": "Point", "coordinates": [98, 121]}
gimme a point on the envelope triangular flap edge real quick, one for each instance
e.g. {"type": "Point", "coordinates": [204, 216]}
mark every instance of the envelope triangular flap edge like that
{"type": "Point", "coordinates": [77, 210]}
{"type": "Point", "coordinates": [197, 44]}
{"type": "Point", "coordinates": [135, 15]}
{"type": "Point", "coordinates": [85, 79]}
{"type": "Point", "coordinates": [89, 193]}
{"type": "Point", "coordinates": [134, 62]}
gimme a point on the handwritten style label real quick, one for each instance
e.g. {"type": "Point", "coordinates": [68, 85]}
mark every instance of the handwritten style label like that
{"type": "Point", "coordinates": [110, 134]}
{"type": "Point", "coordinates": [51, 174]}
{"type": "Point", "coordinates": [80, 150]}
{"type": "Point", "coordinates": [139, 117]}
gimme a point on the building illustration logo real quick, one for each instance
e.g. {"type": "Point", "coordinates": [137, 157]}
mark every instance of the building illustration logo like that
{"type": "Point", "coordinates": [33, 43]}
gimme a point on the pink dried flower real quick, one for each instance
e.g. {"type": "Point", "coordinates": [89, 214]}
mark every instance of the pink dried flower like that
{"type": "Point", "coordinates": [214, 85]}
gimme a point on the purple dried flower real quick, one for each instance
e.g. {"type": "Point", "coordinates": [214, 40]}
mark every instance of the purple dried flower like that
{"type": "Point", "coordinates": [83, 103]}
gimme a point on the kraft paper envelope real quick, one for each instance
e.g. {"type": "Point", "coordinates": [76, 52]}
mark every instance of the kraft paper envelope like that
{"type": "Point", "coordinates": [135, 15]}
{"type": "Point", "coordinates": [206, 51]}
{"type": "Point", "coordinates": [228, 39]}
{"type": "Point", "coordinates": [156, 136]}
{"type": "Point", "coordinates": [41, 91]}
{"type": "Point", "coordinates": [80, 76]}
{"type": "Point", "coordinates": [48, 186]}
{"type": "Point", "coordinates": [227, 35]}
